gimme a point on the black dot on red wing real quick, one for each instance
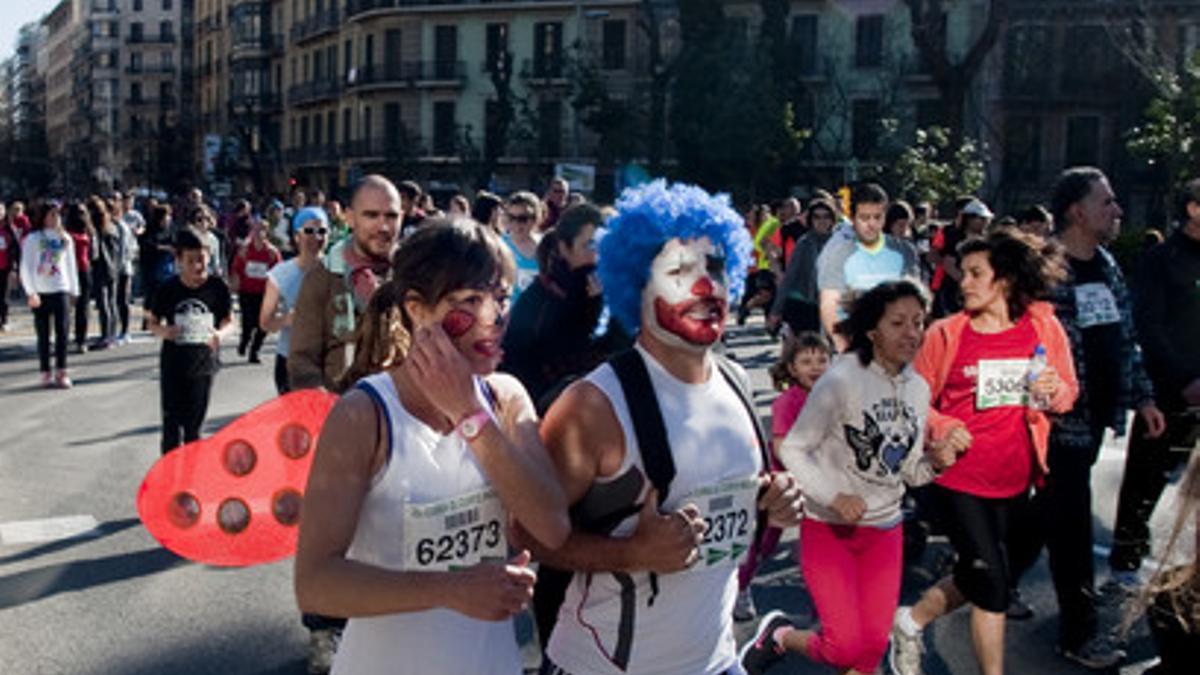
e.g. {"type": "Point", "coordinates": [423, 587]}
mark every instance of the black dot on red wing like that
{"type": "Point", "coordinates": [294, 441]}
{"type": "Point", "coordinates": [233, 516]}
{"type": "Point", "coordinates": [239, 458]}
{"type": "Point", "coordinates": [184, 510]}
{"type": "Point", "coordinates": [285, 506]}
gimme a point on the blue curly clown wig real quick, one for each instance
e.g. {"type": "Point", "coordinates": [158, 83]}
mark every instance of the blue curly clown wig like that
{"type": "Point", "coordinates": [650, 215]}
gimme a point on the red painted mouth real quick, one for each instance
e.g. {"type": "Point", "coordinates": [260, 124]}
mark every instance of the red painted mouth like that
{"type": "Point", "coordinates": [488, 348]}
{"type": "Point", "coordinates": [699, 321]}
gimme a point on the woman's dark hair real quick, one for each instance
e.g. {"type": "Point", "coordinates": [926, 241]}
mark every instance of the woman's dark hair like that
{"type": "Point", "coordinates": [78, 221]}
{"type": "Point", "coordinates": [1072, 185]}
{"type": "Point", "coordinates": [868, 309]}
{"type": "Point", "coordinates": [898, 210]}
{"type": "Point", "coordinates": [1031, 265]}
{"type": "Point", "coordinates": [781, 377]}
{"type": "Point", "coordinates": [101, 219]}
{"type": "Point", "coordinates": [157, 222]}
{"type": "Point", "coordinates": [41, 209]}
{"type": "Point", "coordinates": [440, 257]}
{"type": "Point", "coordinates": [1035, 214]}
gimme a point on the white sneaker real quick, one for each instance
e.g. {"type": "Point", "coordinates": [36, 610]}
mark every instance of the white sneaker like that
{"type": "Point", "coordinates": [743, 607]}
{"type": "Point", "coordinates": [905, 651]}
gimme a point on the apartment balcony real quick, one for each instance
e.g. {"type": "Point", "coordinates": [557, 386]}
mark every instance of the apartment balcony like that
{"type": "Point", "coordinates": [316, 25]}
{"type": "Point", "coordinates": [354, 8]}
{"type": "Point", "coordinates": [312, 155]}
{"type": "Point", "coordinates": [544, 73]}
{"type": "Point", "coordinates": [160, 39]}
{"type": "Point", "coordinates": [152, 69]}
{"type": "Point", "coordinates": [262, 103]}
{"type": "Point", "coordinates": [314, 92]}
{"type": "Point", "coordinates": [253, 45]}
{"type": "Point", "coordinates": [102, 8]}
{"type": "Point", "coordinates": [411, 74]}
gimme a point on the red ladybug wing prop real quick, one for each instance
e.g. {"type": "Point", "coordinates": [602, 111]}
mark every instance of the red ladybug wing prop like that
{"type": "Point", "coordinates": [234, 499]}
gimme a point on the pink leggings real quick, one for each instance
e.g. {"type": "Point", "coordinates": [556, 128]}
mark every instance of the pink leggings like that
{"type": "Point", "coordinates": [853, 575]}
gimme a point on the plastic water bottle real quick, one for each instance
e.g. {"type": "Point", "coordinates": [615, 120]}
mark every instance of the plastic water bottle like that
{"type": "Point", "coordinates": [1037, 365]}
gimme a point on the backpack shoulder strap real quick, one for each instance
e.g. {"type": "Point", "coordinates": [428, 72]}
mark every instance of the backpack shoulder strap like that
{"type": "Point", "coordinates": [734, 378]}
{"type": "Point", "coordinates": [647, 418]}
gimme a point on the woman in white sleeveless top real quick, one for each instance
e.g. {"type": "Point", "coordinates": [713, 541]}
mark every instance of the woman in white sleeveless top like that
{"type": "Point", "coordinates": [419, 469]}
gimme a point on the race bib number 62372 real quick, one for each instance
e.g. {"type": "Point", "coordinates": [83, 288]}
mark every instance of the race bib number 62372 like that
{"type": "Point", "coordinates": [730, 513]}
{"type": "Point", "coordinates": [455, 533]}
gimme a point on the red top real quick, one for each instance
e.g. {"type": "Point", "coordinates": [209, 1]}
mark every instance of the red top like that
{"type": "Point", "coordinates": [251, 266]}
{"type": "Point", "coordinates": [83, 251]}
{"type": "Point", "coordinates": [1000, 461]}
{"type": "Point", "coordinates": [22, 225]}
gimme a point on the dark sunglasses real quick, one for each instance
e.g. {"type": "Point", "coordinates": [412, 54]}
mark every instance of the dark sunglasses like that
{"type": "Point", "coordinates": [527, 218]}
{"type": "Point", "coordinates": [315, 231]}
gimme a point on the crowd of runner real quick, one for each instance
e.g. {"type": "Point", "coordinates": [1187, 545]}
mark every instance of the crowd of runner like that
{"type": "Point", "coordinates": [537, 412]}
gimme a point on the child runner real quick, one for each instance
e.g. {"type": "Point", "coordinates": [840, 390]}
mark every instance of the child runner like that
{"type": "Point", "coordinates": [858, 441]}
{"type": "Point", "coordinates": [50, 281]}
{"type": "Point", "coordinates": [191, 313]}
{"type": "Point", "coordinates": [802, 360]}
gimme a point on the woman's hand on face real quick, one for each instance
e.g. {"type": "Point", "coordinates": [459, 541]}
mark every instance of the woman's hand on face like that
{"type": "Point", "coordinates": [442, 372]}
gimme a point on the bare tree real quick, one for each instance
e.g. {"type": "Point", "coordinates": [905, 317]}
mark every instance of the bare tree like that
{"type": "Point", "coordinates": [953, 79]}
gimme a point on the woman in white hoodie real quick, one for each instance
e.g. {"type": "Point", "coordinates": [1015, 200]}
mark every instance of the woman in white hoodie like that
{"type": "Point", "coordinates": [857, 443]}
{"type": "Point", "coordinates": [51, 283]}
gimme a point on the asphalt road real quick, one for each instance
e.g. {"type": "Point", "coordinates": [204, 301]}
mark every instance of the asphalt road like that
{"type": "Point", "coordinates": [110, 600]}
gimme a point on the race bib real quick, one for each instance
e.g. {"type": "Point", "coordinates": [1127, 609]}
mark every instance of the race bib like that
{"type": "Point", "coordinates": [256, 269]}
{"type": "Point", "coordinates": [194, 327]}
{"type": "Point", "coordinates": [1002, 382]}
{"type": "Point", "coordinates": [730, 511]}
{"type": "Point", "coordinates": [1095, 305]}
{"type": "Point", "coordinates": [455, 533]}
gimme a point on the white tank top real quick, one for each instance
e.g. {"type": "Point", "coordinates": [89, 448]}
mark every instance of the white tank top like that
{"type": "Point", "coordinates": [681, 623]}
{"type": "Point", "coordinates": [423, 467]}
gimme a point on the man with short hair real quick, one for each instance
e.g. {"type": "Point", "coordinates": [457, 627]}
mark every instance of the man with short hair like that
{"type": "Point", "coordinates": [335, 294]}
{"type": "Point", "coordinates": [797, 300]}
{"type": "Point", "coordinates": [849, 267]}
{"type": "Point", "coordinates": [654, 588]}
{"type": "Point", "coordinates": [410, 208]}
{"type": "Point", "coordinates": [1166, 310]}
{"type": "Point", "coordinates": [554, 202]}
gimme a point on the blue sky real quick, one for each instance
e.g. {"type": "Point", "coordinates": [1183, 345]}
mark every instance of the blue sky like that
{"type": "Point", "coordinates": [16, 14]}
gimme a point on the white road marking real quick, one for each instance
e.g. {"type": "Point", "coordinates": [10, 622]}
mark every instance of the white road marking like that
{"type": "Point", "coordinates": [45, 529]}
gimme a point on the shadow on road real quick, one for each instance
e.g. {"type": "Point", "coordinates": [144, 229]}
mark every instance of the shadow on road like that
{"type": "Point", "coordinates": [37, 584]}
{"type": "Point", "coordinates": [102, 530]}
{"type": "Point", "coordinates": [136, 431]}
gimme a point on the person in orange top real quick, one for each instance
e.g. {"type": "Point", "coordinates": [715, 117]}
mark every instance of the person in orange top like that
{"type": "Point", "coordinates": [996, 370]}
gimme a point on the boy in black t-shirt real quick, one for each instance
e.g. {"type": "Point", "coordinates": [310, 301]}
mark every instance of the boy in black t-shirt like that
{"type": "Point", "coordinates": [191, 313]}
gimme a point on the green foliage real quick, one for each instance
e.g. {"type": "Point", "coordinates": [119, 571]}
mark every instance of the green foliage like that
{"type": "Point", "coordinates": [932, 169]}
{"type": "Point", "coordinates": [1170, 135]}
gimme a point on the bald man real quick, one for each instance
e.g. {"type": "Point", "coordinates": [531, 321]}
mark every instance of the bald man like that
{"type": "Point", "coordinates": [334, 295]}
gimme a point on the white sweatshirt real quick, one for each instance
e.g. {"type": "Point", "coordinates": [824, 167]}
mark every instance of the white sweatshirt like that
{"type": "Point", "coordinates": [48, 263]}
{"type": "Point", "coordinates": [861, 432]}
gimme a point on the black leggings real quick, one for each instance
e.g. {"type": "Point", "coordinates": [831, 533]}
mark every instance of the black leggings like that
{"type": "Point", "coordinates": [3, 297]}
{"type": "Point", "coordinates": [282, 386]}
{"type": "Point", "coordinates": [53, 307]}
{"type": "Point", "coordinates": [252, 334]}
{"type": "Point", "coordinates": [82, 302]}
{"type": "Point", "coordinates": [978, 530]}
{"type": "Point", "coordinates": [184, 407]}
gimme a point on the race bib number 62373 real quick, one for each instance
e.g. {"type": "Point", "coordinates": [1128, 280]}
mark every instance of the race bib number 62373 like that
{"type": "Point", "coordinates": [455, 533]}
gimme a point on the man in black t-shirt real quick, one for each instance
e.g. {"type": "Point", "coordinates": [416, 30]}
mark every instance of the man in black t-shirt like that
{"type": "Point", "coordinates": [191, 313]}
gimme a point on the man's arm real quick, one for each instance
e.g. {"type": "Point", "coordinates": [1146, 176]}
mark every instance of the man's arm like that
{"type": "Point", "coordinates": [831, 301]}
{"type": "Point", "coordinates": [584, 439]}
{"type": "Point", "coordinates": [306, 360]}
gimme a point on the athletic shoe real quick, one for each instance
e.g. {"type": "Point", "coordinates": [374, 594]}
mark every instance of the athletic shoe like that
{"type": "Point", "coordinates": [254, 359]}
{"type": "Point", "coordinates": [47, 380]}
{"type": "Point", "coordinates": [1120, 587]}
{"type": "Point", "coordinates": [1018, 609]}
{"type": "Point", "coordinates": [1098, 653]}
{"type": "Point", "coordinates": [762, 651]}
{"type": "Point", "coordinates": [743, 607]}
{"type": "Point", "coordinates": [905, 651]}
{"type": "Point", "coordinates": [61, 380]}
{"type": "Point", "coordinates": [123, 339]}
{"type": "Point", "coordinates": [322, 645]}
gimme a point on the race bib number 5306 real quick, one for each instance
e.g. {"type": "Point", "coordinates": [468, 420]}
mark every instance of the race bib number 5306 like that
{"type": "Point", "coordinates": [455, 533]}
{"type": "Point", "coordinates": [729, 510]}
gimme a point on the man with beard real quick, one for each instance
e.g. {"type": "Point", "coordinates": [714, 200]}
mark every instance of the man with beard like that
{"type": "Point", "coordinates": [654, 586]}
{"type": "Point", "coordinates": [334, 295]}
{"type": "Point", "coordinates": [552, 329]}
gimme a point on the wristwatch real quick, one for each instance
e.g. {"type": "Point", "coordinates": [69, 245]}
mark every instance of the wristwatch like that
{"type": "Point", "coordinates": [472, 425]}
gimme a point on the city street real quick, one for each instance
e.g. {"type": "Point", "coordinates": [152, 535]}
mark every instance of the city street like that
{"type": "Point", "coordinates": [85, 589]}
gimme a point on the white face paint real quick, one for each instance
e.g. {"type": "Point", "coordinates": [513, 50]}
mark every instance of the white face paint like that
{"type": "Point", "coordinates": [685, 302]}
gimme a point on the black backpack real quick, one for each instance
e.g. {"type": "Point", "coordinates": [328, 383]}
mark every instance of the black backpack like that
{"type": "Point", "coordinates": [659, 463]}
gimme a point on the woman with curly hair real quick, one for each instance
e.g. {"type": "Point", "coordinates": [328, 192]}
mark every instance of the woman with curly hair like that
{"type": "Point", "coordinates": [996, 370]}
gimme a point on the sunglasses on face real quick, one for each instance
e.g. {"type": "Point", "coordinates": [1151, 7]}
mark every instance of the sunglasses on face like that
{"type": "Point", "coordinates": [526, 218]}
{"type": "Point", "coordinates": [315, 231]}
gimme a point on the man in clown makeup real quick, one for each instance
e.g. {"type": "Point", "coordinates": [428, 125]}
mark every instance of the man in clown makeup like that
{"type": "Point", "coordinates": [648, 564]}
